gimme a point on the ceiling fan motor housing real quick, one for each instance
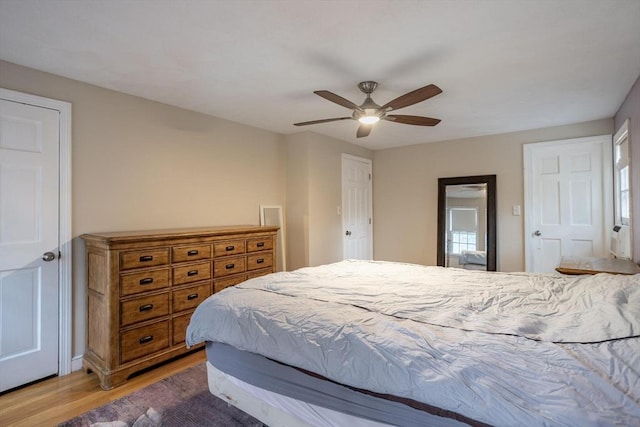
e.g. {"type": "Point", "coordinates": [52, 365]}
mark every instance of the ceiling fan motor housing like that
{"type": "Point", "coordinates": [368, 86]}
{"type": "Point", "coordinates": [368, 108]}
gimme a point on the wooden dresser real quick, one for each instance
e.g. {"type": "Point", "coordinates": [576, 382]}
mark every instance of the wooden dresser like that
{"type": "Point", "coordinates": [143, 287]}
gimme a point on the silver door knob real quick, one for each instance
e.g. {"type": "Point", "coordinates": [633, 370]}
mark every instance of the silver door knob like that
{"type": "Point", "coordinates": [48, 256]}
{"type": "Point", "coordinates": [537, 233]}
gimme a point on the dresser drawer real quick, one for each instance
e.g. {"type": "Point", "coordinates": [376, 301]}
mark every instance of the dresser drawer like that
{"type": "Point", "coordinates": [144, 308]}
{"type": "Point", "coordinates": [255, 245]}
{"type": "Point", "coordinates": [191, 273]}
{"type": "Point", "coordinates": [190, 297]}
{"type": "Point", "coordinates": [261, 260]}
{"type": "Point", "coordinates": [190, 253]}
{"type": "Point", "coordinates": [220, 284]}
{"type": "Point", "coordinates": [230, 247]}
{"type": "Point", "coordinates": [142, 341]}
{"type": "Point", "coordinates": [180, 324]}
{"type": "Point", "coordinates": [228, 266]}
{"type": "Point", "coordinates": [144, 258]}
{"type": "Point", "coordinates": [144, 281]}
{"type": "Point", "coordinates": [257, 273]}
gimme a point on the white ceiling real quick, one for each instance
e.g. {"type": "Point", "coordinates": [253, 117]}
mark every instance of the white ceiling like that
{"type": "Point", "coordinates": [503, 65]}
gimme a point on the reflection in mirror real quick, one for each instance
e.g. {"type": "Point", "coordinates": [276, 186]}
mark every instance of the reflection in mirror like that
{"type": "Point", "coordinates": [466, 222]}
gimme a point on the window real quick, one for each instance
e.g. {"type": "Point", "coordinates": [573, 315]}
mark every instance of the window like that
{"type": "Point", "coordinates": [463, 241]}
{"type": "Point", "coordinates": [463, 229]}
{"type": "Point", "coordinates": [621, 233]}
{"type": "Point", "coordinates": [622, 188]}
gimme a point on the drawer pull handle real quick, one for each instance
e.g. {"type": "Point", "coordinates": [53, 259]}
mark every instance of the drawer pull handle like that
{"type": "Point", "coordinates": [146, 339]}
{"type": "Point", "coordinates": [260, 244]}
{"type": "Point", "coordinates": [192, 297]}
{"type": "Point", "coordinates": [146, 258]}
{"type": "Point", "coordinates": [229, 266]}
{"type": "Point", "coordinates": [260, 261]}
{"type": "Point", "coordinates": [192, 253]}
{"type": "Point", "coordinates": [146, 307]}
{"type": "Point", "coordinates": [192, 273]}
{"type": "Point", "coordinates": [229, 248]}
{"type": "Point", "coordinates": [146, 281]}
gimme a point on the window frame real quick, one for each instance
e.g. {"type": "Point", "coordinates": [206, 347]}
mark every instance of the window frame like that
{"type": "Point", "coordinates": [622, 165]}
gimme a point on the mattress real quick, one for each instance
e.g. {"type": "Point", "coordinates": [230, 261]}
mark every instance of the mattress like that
{"type": "Point", "coordinates": [497, 348]}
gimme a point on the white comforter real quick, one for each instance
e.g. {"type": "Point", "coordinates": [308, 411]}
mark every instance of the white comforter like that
{"type": "Point", "coordinates": [505, 349]}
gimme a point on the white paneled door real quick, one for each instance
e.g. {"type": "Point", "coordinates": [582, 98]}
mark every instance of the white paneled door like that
{"type": "Point", "coordinates": [568, 200]}
{"type": "Point", "coordinates": [29, 242]}
{"type": "Point", "coordinates": [357, 226]}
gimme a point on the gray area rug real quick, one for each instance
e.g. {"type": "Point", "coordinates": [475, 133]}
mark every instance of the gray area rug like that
{"type": "Point", "coordinates": [180, 400]}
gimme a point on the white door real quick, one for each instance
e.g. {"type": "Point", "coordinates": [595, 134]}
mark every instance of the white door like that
{"type": "Point", "coordinates": [29, 195]}
{"type": "Point", "coordinates": [568, 200]}
{"type": "Point", "coordinates": [357, 209]}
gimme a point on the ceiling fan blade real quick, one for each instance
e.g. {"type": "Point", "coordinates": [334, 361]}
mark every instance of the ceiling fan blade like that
{"type": "Point", "coordinates": [413, 97]}
{"type": "Point", "coordinates": [337, 99]}
{"type": "Point", "coordinates": [313, 122]}
{"type": "Point", "coordinates": [364, 130]}
{"type": "Point", "coordinates": [412, 120]}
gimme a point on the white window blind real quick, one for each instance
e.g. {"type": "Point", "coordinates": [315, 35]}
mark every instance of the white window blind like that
{"type": "Point", "coordinates": [463, 229]}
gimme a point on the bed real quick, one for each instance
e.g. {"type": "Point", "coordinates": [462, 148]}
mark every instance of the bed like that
{"type": "Point", "coordinates": [369, 343]}
{"type": "Point", "coordinates": [473, 260]}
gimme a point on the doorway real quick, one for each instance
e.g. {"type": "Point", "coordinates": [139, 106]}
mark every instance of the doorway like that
{"type": "Point", "coordinates": [568, 200]}
{"type": "Point", "coordinates": [35, 238]}
{"type": "Point", "coordinates": [357, 208]}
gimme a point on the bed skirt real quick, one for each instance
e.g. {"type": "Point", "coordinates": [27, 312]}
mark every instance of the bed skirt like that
{"type": "Point", "coordinates": [280, 395]}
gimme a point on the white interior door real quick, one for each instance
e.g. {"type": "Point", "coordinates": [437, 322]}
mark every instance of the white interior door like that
{"type": "Point", "coordinates": [29, 209]}
{"type": "Point", "coordinates": [568, 200]}
{"type": "Point", "coordinates": [357, 209]}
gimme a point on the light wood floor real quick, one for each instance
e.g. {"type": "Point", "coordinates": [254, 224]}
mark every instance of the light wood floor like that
{"type": "Point", "coordinates": [59, 399]}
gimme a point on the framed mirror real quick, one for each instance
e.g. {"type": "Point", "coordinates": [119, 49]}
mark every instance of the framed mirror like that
{"type": "Point", "coordinates": [467, 222]}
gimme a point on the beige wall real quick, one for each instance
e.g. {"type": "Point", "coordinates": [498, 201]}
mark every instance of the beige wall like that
{"type": "Point", "coordinates": [406, 190]}
{"type": "Point", "coordinates": [314, 190]}
{"type": "Point", "coordinates": [630, 109]}
{"type": "Point", "coordinates": [139, 164]}
{"type": "Point", "coordinates": [297, 205]}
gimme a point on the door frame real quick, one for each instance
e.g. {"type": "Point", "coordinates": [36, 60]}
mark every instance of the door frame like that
{"type": "Point", "coordinates": [369, 162]}
{"type": "Point", "coordinates": [605, 142]}
{"type": "Point", "coordinates": [64, 224]}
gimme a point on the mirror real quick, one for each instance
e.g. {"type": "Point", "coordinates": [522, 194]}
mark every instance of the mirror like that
{"type": "Point", "coordinates": [272, 215]}
{"type": "Point", "coordinates": [467, 222]}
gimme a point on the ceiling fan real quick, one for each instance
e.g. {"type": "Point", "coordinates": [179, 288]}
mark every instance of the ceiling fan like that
{"type": "Point", "coordinates": [369, 112]}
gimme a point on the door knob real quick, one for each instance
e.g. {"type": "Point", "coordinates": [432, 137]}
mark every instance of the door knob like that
{"type": "Point", "coordinates": [537, 233]}
{"type": "Point", "coordinates": [348, 233]}
{"type": "Point", "coordinates": [48, 256]}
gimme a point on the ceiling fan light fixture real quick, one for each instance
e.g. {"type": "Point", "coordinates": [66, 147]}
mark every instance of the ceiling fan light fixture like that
{"type": "Point", "coordinates": [369, 120]}
{"type": "Point", "coordinates": [370, 113]}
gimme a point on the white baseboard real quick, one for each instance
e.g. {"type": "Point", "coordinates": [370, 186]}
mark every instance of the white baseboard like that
{"type": "Point", "coordinates": [76, 363]}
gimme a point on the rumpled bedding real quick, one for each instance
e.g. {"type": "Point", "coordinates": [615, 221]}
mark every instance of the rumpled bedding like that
{"type": "Point", "coordinates": [473, 257]}
{"type": "Point", "coordinates": [501, 348]}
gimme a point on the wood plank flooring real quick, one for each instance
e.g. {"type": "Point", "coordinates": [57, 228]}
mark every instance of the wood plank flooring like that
{"type": "Point", "coordinates": [58, 399]}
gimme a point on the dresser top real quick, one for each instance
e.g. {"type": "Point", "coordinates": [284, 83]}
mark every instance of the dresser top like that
{"type": "Point", "coordinates": [173, 233]}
